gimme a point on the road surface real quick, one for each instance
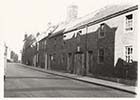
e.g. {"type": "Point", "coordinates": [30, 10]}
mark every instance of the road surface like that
{"type": "Point", "coordinates": [26, 82]}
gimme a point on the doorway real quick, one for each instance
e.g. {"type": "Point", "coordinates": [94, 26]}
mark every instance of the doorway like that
{"type": "Point", "coordinates": [79, 63]}
{"type": "Point", "coordinates": [46, 67]}
{"type": "Point", "coordinates": [89, 62]}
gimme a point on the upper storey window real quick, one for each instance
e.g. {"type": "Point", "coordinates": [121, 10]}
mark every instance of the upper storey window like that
{"type": "Point", "coordinates": [101, 31]}
{"type": "Point", "coordinates": [129, 22]}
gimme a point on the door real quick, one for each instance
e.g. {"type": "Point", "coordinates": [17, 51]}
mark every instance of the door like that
{"type": "Point", "coordinates": [46, 67]}
{"type": "Point", "coordinates": [79, 64]}
{"type": "Point", "coordinates": [89, 62]}
{"type": "Point", "coordinates": [68, 63]}
{"type": "Point", "coordinates": [49, 62]}
{"type": "Point", "coordinates": [34, 60]}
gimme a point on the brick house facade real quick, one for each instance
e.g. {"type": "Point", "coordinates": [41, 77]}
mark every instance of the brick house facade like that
{"type": "Point", "coordinates": [104, 44]}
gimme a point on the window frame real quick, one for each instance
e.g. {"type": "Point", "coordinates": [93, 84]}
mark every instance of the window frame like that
{"type": "Point", "coordinates": [129, 54]}
{"type": "Point", "coordinates": [99, 61]}
{"type": "Point", "coordinates": [129, 23]}
{"type": "Point", "coordinates": [101, 30]}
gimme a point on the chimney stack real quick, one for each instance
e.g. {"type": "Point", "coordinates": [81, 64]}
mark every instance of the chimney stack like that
{"type": "Point", "coordinates": [72, 13]}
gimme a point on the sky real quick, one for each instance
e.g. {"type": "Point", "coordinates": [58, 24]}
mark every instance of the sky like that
{"type": "Point", "coordinates": [18, 17]}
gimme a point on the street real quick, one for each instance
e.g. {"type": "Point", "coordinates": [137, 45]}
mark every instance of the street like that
{"type": "Point", "coordinates": [25, 82]}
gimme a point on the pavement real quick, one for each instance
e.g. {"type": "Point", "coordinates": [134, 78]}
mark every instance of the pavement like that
{"type": "Point", "coordinates": [101, 82]}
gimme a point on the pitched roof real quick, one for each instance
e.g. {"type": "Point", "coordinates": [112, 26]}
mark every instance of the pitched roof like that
{"type": "Point", "coordinates": [41, 36]}
{"type": "Point", "coordinates": [45, 33]}
{"type": "Point", "coordinates": [74, 23]}
{"type": "Point", "coordinates": [96, 15]}
{"type": "Point", "coordinates": [60, 29]}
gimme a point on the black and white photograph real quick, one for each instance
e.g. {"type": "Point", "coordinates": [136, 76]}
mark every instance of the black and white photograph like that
{"type": "Point", "coordinates": [69, 49]}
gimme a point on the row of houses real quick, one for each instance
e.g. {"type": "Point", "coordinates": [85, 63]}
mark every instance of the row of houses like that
{"type": "Point", "coordinates": [102, 43]}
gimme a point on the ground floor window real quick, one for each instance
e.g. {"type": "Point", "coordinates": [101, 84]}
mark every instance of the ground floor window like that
{"type": "Point", "coordinates": [128, 54]}
{"type": "Point", "coordinates": [101, 55]}
{"type": "Point", "coordinates": [51, 58]}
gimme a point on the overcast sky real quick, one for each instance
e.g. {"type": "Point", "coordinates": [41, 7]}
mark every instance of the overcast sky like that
{"type": "Point", "coordinates": [32, 16]}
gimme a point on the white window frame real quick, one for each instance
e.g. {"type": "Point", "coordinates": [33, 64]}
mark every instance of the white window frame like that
{"type": "Point", "coordinates": [129, 23]}
{"type": "Point", "coordinates": [129, 54]}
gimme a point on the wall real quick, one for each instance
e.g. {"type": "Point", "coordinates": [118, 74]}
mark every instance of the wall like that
{"type": "Point", "coordinates": [114, 43]}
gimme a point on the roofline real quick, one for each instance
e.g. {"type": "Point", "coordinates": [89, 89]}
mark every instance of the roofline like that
{"type": "Point", "coordinates": [114, 15]}
{"type": "Point", "coordinates": [55, 34]}
{"type": "Point", "coordinates": [47, 36]}
{"type": "Point", "coordinates": [106, 18]}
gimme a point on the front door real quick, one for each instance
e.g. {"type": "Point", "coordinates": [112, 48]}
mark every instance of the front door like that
{"type": "Point", "coordinates": [46, 67]}
{"type": "Point", "coordinates": [79, 63]}
{"type": "Point", "coordinates": [89, 62]}
{"type": "Point", "coordinates": [34, 60]}
{"type": "Point", "coordinates": [69, 62]}
{"type": "Point", "coordinates": [49, 62]}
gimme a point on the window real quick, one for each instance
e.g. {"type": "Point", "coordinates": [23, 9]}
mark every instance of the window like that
{"type": "Point", "coordinates": [129, 21]}
{"type": "Point", "coordinates": [101, 31]}
{"type": "Point", "coordinates": [128, 54]}
{"type": "Point", "coordinates": [51, 57]}
{"type": "Point", "coordinates": [78, 48]}
{"type": "Point", "coordinates": [101, 55]}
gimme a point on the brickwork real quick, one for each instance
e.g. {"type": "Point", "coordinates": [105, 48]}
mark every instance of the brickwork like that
{"type": "Point", "coordinates": [97, 50]}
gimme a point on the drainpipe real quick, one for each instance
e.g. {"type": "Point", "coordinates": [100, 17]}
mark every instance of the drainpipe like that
{"type": "Point", "coordinates": [86, 58]}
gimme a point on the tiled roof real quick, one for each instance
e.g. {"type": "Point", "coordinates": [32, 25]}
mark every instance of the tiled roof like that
{"type": "Point", "coordinates": [41, 36]}
{"type": "Point", "coordinates": [74, 23]}
{"type": "Point", "coordinates": [91, 17]}
{"type": "Point", "coordinates": [45, 34]}
{"type": "Point", "coordinates": [103, 12]}
{"type": "Point", "coordinates": [60, 29]}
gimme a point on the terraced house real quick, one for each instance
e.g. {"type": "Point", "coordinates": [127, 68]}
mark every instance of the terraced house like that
{"type": "Point", "coordinates": [102, 43]}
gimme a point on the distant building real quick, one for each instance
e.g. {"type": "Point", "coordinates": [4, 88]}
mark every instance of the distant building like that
{"type": "Point", "coordinates": [14, 56]}
{"type": "Point", "coordinates": [10, 55]}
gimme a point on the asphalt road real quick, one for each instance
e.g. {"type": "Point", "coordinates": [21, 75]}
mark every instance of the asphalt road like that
{"type": "Point", "coordinates": [25, 82]}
